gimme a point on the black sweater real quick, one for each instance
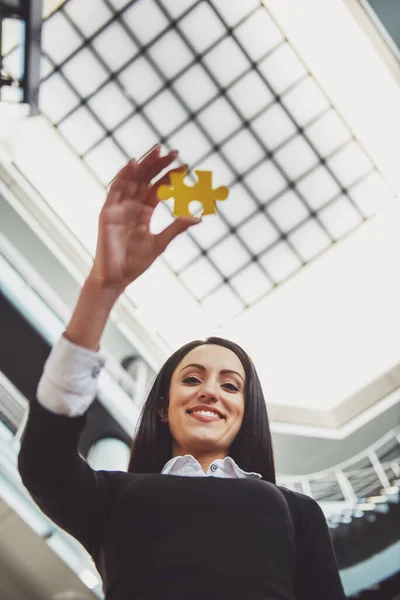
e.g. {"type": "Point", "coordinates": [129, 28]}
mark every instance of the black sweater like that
{"type": "Point", "coordinates": [172, 537]}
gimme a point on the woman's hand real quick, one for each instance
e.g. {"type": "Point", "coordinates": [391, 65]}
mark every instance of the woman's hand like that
{"type": "Point", "coordinates": [125, 246]}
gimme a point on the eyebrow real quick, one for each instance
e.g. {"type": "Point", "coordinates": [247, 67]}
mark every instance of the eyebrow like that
{"type": "Point", "coordinates": [203, 368]}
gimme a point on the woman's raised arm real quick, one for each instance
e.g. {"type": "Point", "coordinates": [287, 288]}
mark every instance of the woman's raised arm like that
{"type": "Point", "coordinates": [68, 491]}
{"type": "Point", "coordinates": [125, 246]}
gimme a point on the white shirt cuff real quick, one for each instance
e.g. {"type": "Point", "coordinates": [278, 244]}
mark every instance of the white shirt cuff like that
{"type": "Point", "coordinates": [69, 381]}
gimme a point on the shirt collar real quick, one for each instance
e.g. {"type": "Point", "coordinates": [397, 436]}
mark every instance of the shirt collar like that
{"type": "Point", "coordinates": [221, 467]}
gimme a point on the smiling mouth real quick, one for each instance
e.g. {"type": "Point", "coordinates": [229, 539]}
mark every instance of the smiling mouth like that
{"type": "Point", "coordinates": [205, 418]}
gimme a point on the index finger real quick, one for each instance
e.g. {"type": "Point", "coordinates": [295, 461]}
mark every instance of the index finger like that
{"type": "Point", "coordinates": [127, 172]}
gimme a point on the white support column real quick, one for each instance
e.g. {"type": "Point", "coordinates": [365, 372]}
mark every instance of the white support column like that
{"type": "Point", "coordinates": [109, 454]}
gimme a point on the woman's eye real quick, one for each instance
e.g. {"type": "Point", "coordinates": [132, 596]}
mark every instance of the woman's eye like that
{"type": "Point", "coordinates": [232, 387]}
{"type": "Point", "coordinates": [193, 378]}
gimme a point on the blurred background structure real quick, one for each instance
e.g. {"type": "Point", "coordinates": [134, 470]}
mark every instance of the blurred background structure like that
{"type": "Point", "coordinates": [294, 107]}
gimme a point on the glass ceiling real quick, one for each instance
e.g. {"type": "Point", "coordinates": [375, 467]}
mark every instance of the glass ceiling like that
{"type": "Point", "coordinates": [218, 81]}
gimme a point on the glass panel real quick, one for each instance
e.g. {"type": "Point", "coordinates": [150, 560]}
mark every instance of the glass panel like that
{"type": "Point", "coordinates": [56, 98]}
{"type": "Point", "coordinates": [258, 233]}
{"type": "Point", "coordinates": [200, 277]}
{"type": "Point", "coordinates": [243, 151]}
{"type": "Point", "coordinates": [296, 157]}
{"type": "Point", "coordinates": [258, 34]}
{"type": "Point", "coordinates": [328, 133]}
{"type": "Point", "coordinates": [274, 126]}
{"type": "Point", "coordinates": [287, 211]}
{"type": "Point", "coordinates": [89, 15]}
{"type": "Point", "coordinates": [192, 144]}
{"type": "Point", "coordinates": [13, 64]}
{"type": "Point", "coordinates": [340, 217]}
{"type": "Point", "coordinates": [318, 187]}
{"type": "Point", "coordinates": [123, 49]}
{"type": "Point", "coordinates": [81, 130]}
{"type": "Point", "coordinates": [165, 113]}
{"type": "Point", "coordinates": [181, 251]}
{"type": "Point", "coordinates": [12, 32]}
{"type": "Point", "coordinates": [282, 68]}
{"type": "Point", "coordinates": [110, 105]}
{"type": "Point", "coordinates": [266, 181]}
{"type": "Point", "coordinates": [140, 80]}
{"type": "Point", "coordinates": [229, 255]}
{"type": "Point", "coordinates": [251, 284]}
{"type": "Point", "coordinates": [136, 137]}
{"type": "Point", "coordinates": [309, 239]}
{"type": "Point", "coordinates": [45, 66]}
{"type": "Point", "coordinates": [223, 304]}
{"type": "Point", "coordinates": [250, 95]}
{"type": "Point", "coordinates": [210, 230]}
{"type": "Point", "coordinates": [85, 72]}
{"type": "Point", "coordinates": [226, 61]}
{"type": "Point", "coordinates": [305, 101]}
{"type": "Point", "coordinates": [202, 27]}
{"type": "Point", "coordinates": [219, 119]}
{"type": "Point", "coordinates": [59, 38]}
{"type": "Point", "coordinates": [105, 160]}
{"type": "Point", "coordinates": [171, 54]}
{"type": "Point", "coordinates": [222, 175]}
{"type": "Point", "coordinates": [350, 163]}
{"type": "Point", "coordinates": [177, 7]}
{"type": "Point", "coordinates": [238, 206]}
{"type": "Point", "coordinates": [280, 261]}
{"type": "Point", "coordinates": [119, 4]}
{"type": "Point", "coordinates": [233, 12]}
{"type": "Point", "coordinates": [196, 87]}
{"type": "Point", "coordinates": [371, 194]}
{"type": "Point", "coordinates": [145, 19]}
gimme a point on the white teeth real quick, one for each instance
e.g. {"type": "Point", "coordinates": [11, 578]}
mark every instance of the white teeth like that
{"type": "Point", "coordinates": [207, 413]}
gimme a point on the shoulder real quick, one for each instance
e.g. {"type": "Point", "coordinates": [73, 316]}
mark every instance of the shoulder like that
{"type": "Point", "coordinates": [117, 482]}
{"type": "Point", "coordinates": [300, 504]}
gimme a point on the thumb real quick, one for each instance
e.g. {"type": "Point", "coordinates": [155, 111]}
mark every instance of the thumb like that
{"type": "Point", "coordinates": [173, 230]}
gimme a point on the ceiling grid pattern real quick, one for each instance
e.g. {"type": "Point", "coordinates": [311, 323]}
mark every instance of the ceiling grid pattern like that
{"type": "Point", "coordinates": [219, 81]}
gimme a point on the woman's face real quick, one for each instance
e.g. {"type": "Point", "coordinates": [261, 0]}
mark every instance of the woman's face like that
{"type": "Point", "coordinates": [212, 378]}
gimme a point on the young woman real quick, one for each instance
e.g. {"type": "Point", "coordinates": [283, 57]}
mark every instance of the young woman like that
{"type": "Point", "coordinates": [198, 515]}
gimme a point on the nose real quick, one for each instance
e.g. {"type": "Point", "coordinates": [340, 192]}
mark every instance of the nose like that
{"type": "Point", "coordinates": [208, 393]}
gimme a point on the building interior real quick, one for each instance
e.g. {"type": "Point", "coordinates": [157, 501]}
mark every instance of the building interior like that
{"type": "Point", "coordinates": [296, 265]}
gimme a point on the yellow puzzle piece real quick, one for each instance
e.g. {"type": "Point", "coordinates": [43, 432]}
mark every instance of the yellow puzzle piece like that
{"type": "Point", "coordinates": [184, 194]}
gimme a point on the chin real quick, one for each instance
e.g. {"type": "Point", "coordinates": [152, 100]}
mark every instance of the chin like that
{"type": "Point", "coordinates": [204, 442]}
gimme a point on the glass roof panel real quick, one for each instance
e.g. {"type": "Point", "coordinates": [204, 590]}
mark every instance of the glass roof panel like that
{"type": "Point", "coordinates": [220, 120]}
{"type": "Point", "coordinates": [234, 12]}
{"type": "Point", "coordinates": [258, 34]}
{"type": "Point", "coordinates": [140, 70]}
{"type": "Point", "coordinates": [309, 239]}
{"type": "Point", "coordinates": [251, 283]}
{"type": "Point", "coordinates": [170, 54]}
{"type": "Point", "coordinates": [145, 19]}
{"type": "Point", "coordinates": [202, 37]}
{"type": "Point", "coordinates": [123, 48]}
{"type": "Point", "coordinates": [84, 72]}
{"type": "Point", "coordinates": [219, 81]}
{"type": "Point", "coordinates": [89, 16]}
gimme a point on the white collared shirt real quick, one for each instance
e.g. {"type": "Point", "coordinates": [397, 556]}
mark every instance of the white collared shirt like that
{"type": "Point", "coordinates": [68, 386]}
{"type": "Point", "coordinates": [187, 465]}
